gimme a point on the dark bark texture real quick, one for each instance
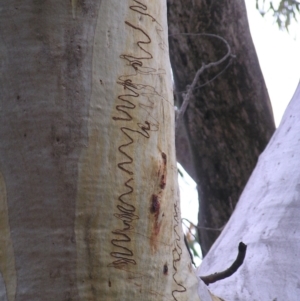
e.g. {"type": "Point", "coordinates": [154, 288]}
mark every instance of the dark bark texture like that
{"type": "Point", "coordinates": [229, 121]}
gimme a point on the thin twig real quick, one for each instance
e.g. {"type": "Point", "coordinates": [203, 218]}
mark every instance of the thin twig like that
{"type": "Point", "coordinates": [231, 270]}
{"type": "Point", "coordinates": [189, 230]}
{"type": "Point", "coordinates": [209, 81]}
{"type": "Point", "coordinates": [199, 72]}
{"type": "Point", "coordinates": [203, 228]}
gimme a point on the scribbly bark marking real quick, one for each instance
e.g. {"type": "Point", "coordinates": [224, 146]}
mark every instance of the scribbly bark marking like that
{"type": "Point", "coordinates": [126, 212]}
{"type": "Point", "coordinates": [177, 252]}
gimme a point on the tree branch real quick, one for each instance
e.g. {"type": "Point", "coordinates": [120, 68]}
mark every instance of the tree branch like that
{"type": "Point", "coordinates": [188, 248]}
{"type": "Point", "coordinates": [199, 72]}
{"type": "Point", "coordinates": [209, 81]}
{"type": "Point", "coordinates": [231, 270]}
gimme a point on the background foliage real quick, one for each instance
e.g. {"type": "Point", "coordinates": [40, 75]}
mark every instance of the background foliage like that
{"type": "Point", "coordinates": [284, 11]}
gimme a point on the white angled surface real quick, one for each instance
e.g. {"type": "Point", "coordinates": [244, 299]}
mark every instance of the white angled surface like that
{"type": "Point", "coordinates": [267, 219]}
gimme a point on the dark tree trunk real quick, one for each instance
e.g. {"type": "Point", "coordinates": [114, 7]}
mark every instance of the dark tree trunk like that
{"type": "Point", "coordinates": [229, 121]}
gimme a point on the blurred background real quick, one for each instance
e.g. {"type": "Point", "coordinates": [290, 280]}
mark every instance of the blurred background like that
{"type": "Point", "coordinates": [277, 42]}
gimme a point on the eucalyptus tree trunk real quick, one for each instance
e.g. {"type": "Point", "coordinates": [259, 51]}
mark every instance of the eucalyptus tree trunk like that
{"type": "Point", "coordinates": [89, 203]}
{"type": "Point", "coordinates": [267, 220]}
{"type": "Point", "coordinates": [229, 120]}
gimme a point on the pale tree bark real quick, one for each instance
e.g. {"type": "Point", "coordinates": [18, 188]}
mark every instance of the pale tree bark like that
{"type": "Point", "coordinates": [89, 203]}
{"type": "Point", "coordinates": [229, 120]}
{"type": "Point", "coordinates": [267, 220]}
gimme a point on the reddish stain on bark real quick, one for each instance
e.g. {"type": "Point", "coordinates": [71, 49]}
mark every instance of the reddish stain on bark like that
{"type": "Point", "coordinates": [163, 182]}
{"type": "Point", "coordinates": [155, 205]}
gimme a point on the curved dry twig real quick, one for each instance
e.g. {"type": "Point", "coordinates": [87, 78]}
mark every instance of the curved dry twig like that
{"type": "Point", "coordinates": [201, 228]}
{"type": "Point", "coordinates": [231, 270]}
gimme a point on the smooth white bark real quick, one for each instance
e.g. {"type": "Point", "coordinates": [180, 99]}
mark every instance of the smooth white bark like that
{"type": "Point", "coordinates": [267, 220]}
{"type": "Point", "coordinates": [128, 229]}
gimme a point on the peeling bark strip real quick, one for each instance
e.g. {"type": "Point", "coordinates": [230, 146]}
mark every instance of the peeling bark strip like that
{"type": "Point", "coordinates": [129, 101]}
{"type": "Point", "coordinates": [231, 270]}
{"type": "Point", "coordinates": [163, 178]}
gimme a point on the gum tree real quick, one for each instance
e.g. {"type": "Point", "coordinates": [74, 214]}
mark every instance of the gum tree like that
{"type": "Point", "coordinates": [88, 191]}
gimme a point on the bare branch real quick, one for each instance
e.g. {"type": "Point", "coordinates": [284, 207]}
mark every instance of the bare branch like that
{"type": "Point", "coordinates": [199, 72]}
{"type": "Point", "coordinates": [209, 81]}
